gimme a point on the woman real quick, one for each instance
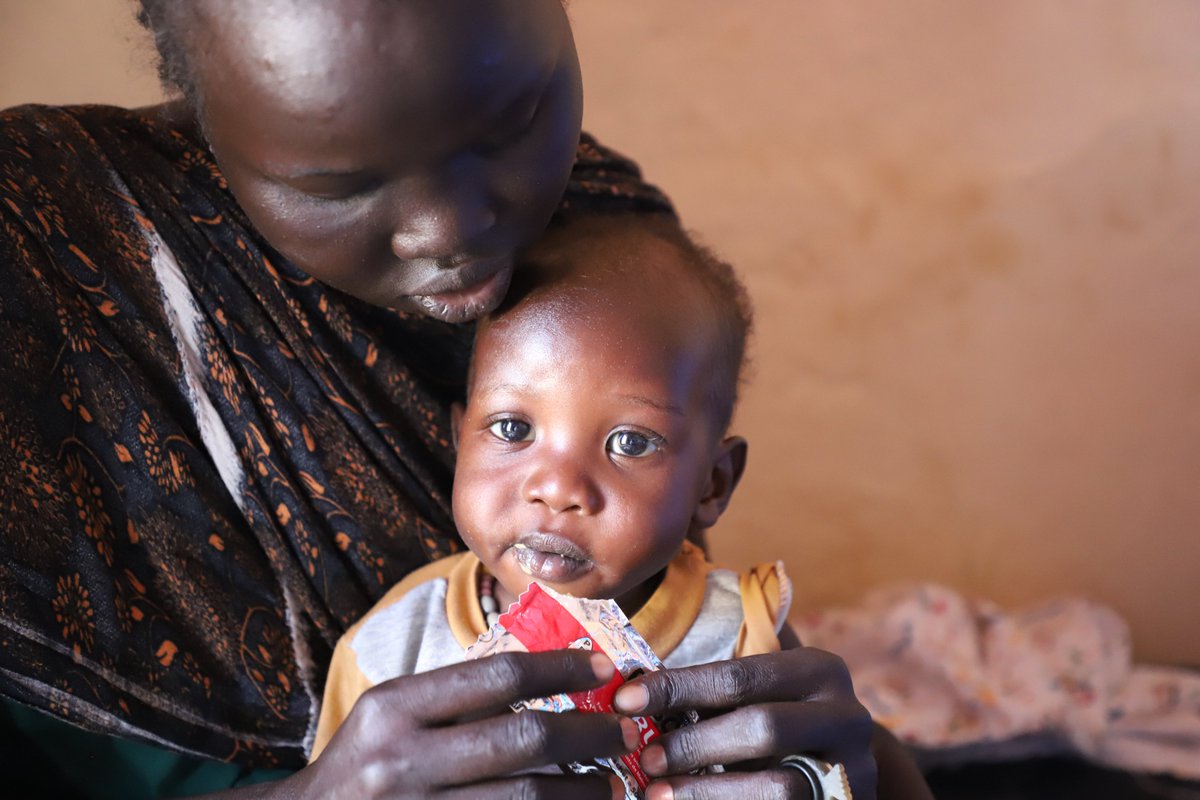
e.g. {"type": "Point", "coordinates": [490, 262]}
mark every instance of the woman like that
{"type": "Point", "coordinates": [222, 443]}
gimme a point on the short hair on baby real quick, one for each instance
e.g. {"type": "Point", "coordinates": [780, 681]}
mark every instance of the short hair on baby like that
{"type": "Point", "coordinates": [720, 286]}
{"type": "Point", "coordinates": [731, 305]}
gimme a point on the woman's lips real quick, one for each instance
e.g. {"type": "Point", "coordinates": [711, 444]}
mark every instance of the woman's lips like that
{"type": "Point", "coordinates": [471, 301]}
{"type": "Point", "coordinates": [551, 558]}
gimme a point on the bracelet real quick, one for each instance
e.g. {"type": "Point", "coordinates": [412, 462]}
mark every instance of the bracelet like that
{"type": "Point", "coordinates": [827, 781]}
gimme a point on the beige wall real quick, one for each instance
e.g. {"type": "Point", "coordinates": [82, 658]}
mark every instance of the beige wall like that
{"type": "Point", "coordinates": [972, 232]}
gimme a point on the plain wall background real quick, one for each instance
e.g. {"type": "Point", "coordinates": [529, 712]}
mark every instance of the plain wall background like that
{"type": "Point", "coordinates": [972, 234]}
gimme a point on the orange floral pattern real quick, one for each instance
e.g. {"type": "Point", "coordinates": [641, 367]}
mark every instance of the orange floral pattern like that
{"type": "Point", "coordinates": [89, 505]}
{"type": "Point", "coordinates": [72, 606]}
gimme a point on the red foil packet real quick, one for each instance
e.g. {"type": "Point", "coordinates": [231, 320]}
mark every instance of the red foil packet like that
{"type": "Point", "coordinates": [543, 619]}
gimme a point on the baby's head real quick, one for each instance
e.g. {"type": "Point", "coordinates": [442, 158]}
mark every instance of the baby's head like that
{"type": "Point", "coordinates": [594, 440]}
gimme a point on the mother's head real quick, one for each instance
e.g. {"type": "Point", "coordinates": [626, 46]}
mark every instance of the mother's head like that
{"type": "Point", "coordinates": [398, 150]}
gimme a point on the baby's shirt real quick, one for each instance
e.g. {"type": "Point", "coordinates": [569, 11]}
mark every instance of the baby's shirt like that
{"type": "Point", "coordinates": [698, 614]}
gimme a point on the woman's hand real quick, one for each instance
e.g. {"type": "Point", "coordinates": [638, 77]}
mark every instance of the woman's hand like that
{"type": "Point", "coordinates": [796, 701]}
{"type": "Point", "coordinates": [450, 733]}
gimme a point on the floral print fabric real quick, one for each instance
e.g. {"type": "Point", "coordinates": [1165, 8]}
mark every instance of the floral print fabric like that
{"type": "Point", "coordinates": [210, 463]}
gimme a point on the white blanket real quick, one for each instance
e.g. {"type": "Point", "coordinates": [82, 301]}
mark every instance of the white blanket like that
{"type": "Point", "coordinates": [963, 680]}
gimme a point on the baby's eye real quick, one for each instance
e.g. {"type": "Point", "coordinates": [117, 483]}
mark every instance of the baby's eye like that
{"type": "Point", "coordinates": [631, 444]}
{"type": "Point", "coordinates": [511, 430]}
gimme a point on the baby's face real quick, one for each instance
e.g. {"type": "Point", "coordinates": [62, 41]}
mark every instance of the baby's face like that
{"type": "Point", "coordinates": [587, 441]}
{"type": "Point", "coordinates": [398, 151]}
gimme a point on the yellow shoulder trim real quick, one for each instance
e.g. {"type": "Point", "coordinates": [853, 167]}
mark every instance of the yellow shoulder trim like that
{"type": "Point", "coordinates": [344, 684]}
{"type": "Point", "coordinates": [441, 568]}
{"type": "Point", "coordinates": [766, 599]}
{"type": "Point", "coordinates": [462, 601]}
{"type": "Point", "coordinates": [670, 612]}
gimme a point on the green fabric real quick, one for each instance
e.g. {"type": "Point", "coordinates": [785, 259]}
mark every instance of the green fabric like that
{"type": "Point", "coordinates": [46, 757]}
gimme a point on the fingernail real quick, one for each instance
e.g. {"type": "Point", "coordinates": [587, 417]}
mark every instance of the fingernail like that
{"type": "Point", "coordinates": [631, 698]}
{"type": "Point", "coordinates": [660, 790]}
{"type": "Point", "coordinates": [618, 788]}
{"type": "Point", "coordinates": [603, 666]}
{"type": "Point", "coordinates": [654, 760]}
{"type": "Point", "coordinates": [630, 734]}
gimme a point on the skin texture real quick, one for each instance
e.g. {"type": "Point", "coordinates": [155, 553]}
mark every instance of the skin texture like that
{"type": "Point", "coordinates": [398, 151]}
{"type": "Point", "coordinates": [587, 451]}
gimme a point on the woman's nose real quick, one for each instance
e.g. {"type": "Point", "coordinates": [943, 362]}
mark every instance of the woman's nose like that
{"type": "Point", "coordinates": [444, 216]}
{"type": "Point", "coordinates": [563, 485]}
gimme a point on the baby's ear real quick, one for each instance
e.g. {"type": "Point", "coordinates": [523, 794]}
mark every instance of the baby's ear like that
{"type": "Point", "coordinates": [456, 414]}
{"type": "Point", "coordinates": [728, 465]}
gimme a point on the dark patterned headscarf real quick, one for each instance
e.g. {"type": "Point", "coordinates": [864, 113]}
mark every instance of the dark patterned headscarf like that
{"type": "Point", "coordinates": [210, 463]}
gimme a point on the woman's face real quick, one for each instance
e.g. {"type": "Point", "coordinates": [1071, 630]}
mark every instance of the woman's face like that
{"type": "Point", "coordinates": [398, 150]}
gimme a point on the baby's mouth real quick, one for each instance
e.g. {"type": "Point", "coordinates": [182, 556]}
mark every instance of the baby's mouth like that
{"type": "Point", "coordinates": [551, 558]}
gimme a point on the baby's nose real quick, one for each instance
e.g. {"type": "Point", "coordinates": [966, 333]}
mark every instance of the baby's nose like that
{"type": "Point", "coordinates": [563, 486]}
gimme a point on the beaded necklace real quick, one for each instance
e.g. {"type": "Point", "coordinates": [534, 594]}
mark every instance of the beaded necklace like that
{"type": "Point", "coordinates": [487, 599]}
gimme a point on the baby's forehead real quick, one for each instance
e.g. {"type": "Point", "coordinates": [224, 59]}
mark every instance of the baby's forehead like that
{"type": "Point", "coordinates": [610, 283]}
{"type": "Point", "coordinates": [647, 296]}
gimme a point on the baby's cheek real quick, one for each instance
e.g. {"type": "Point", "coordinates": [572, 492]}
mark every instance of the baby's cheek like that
{"type": "Point", "coordinates": [482, 494]}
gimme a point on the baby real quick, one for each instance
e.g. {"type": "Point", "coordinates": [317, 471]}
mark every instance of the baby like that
{"type": "Point", "coordinates": [591, 454]}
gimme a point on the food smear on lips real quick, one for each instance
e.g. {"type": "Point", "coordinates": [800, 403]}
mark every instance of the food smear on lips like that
{"type": "Point", "coordinates": [550, 558]}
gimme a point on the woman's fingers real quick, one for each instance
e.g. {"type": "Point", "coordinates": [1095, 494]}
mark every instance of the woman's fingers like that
{"type": "Point", "coordinates": [475, 689]}
{"type": "Point", "coordinates": [801, 674]}
{"type": "Point", "coordinates": [532, 787]}
{"type": "Point", "coordinates": [369, 760]}
{"type": "Point", "coordinates": [784, 784]}
{"type": "Point", "coordinates": [511, 742]}
{"type": "Point", "coordinates": [416, 735]}
{"type": "Point", "coordinates": [798, 701]}
{"type": "Point", "coordinates": [822, 729]}
{"type": "Point", "coordinates": [773, 781]}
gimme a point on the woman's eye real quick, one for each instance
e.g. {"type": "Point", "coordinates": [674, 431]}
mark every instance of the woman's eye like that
{"type": "Point", "coordinates": [511, 430]}
{"type": "Point", "coordinates": [340, 192]}
{"type": "Point", "coordinates": [495, 143]}
{"type": "Point", "coordinates": [508, 131]}
{"type": "Point", "coordinates": [631, 444]}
